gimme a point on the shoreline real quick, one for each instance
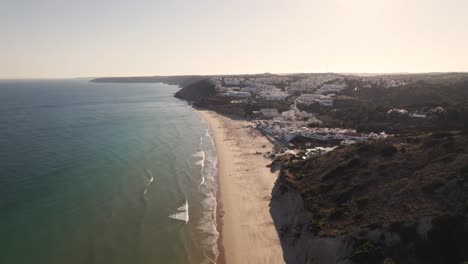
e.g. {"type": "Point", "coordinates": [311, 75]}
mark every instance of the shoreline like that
{"type": "Point", "coordinates": [244, 223]}
{"type": "Point", "coordinates": [219, 223]}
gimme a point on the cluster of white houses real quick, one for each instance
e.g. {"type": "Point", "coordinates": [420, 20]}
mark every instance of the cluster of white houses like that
{"type": "Point", "coordinates": [386, 82]}
{"type": "Point", "coordinates": [311, 83]}
{"type": "Point", "coordinates": [286, 125]}
{"type": "Point", "coordinates": [307, 99]}
{"type": "Point", "coordinates": [264, 88]}
{"type": "Point", "coordinates": [272, 80]}
{"type": "Point", "coordinates": [273, 95]}
{"type": "Point", "coordinates": [331, 88]}
{"type": "Point", "coordinates": [237, 94]}
{"type": "Point", "coordinates": [250, 89]}
{"type": "Point", "coordinates": [288, 131]}
{"type": "Point", "coordinates": [294, 114]}
{"type": "Point", "coordinates": [233, 81]}
{"type": "Point", "coordinates": [423, 115]}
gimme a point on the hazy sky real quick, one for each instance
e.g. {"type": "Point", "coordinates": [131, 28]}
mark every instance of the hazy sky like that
{"type": "Point", "coordinates": [74, 38]}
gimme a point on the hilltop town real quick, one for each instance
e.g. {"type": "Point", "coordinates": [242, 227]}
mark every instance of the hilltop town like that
{"type": "Point", "coordinates": [306, 111]}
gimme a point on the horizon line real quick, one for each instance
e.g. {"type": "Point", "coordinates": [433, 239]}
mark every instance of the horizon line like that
{"type": "Point", "coordinates": [233, 74]}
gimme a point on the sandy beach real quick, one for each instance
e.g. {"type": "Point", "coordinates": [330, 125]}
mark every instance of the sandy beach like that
{"type": "Point", "coordinates": [248, 233]}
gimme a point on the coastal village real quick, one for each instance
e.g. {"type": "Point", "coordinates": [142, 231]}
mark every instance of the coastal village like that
{"type": "Point", "coordinates": [285, 127]}
{"type": "Point", "coordinates": [390, 156]}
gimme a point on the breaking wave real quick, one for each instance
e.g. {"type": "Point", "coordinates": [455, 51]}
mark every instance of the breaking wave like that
{"type": "Point", "coordinates": [182, 213]}
{"type": "Point", "coordinates": [150, 177]}
{"type": "Point", "coordinates": [207, 224]}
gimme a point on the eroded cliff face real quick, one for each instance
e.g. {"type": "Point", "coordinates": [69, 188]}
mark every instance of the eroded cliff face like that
{"type": "Point", "coordinates": [293, 222]}
{"type": "Point", "coordinates": [425, 240]}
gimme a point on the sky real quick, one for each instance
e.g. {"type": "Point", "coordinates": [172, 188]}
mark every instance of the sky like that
{"type": "Point", "coordinates": [93, 38]}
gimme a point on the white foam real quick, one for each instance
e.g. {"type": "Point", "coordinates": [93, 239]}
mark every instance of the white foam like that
{"type": "Point", "coordinates": [183, 214]}
{"type": "Point", "coordinates": [199, 154]}
{"type": "Point", "coordinates": [201, 162]}
{"type": "Point", "coordinates": [184, 207]}
{"type": "Point", "coordinates": [207, 224]}
{"type": "Point", "coordinates": [202, 181]}
{"type": "Point", "coordinates": [150, 180]}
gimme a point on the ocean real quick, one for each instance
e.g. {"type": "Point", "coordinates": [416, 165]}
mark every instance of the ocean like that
{"type": "Point", "coordinates": [104, 173]}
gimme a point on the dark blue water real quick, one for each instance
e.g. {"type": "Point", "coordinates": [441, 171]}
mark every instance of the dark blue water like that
{"type": "Point", "coordinates": [90, 173]}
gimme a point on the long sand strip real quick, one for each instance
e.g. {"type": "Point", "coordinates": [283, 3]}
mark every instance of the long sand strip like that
{"type": "Point", "coordinates": [248, 233]}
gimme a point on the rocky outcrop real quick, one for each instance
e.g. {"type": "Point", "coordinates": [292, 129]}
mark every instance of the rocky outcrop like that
{"type": "Point", "coordinates": [198, 91]}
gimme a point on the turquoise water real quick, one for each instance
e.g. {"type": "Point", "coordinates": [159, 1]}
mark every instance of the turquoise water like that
{"type": "Point", "coordinates": [91, 173]}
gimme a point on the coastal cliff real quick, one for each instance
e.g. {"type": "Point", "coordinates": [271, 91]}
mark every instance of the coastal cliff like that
{"type": "Point", "coordinates": [197, 91]}
{"type": "Point", "coordinates": [399, 200]}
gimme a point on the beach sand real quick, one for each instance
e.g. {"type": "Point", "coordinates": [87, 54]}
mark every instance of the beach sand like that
{"type": "Point", "coordinates": [247, 231]}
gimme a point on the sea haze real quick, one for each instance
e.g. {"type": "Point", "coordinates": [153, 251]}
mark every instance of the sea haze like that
{"type": "Point", "coordinates": [104, 173]}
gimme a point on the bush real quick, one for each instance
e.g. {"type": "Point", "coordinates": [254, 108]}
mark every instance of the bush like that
{"type": "Point", "coordinates": [387, 150]}
{"type": "Point", "coordinates": [446, 158]}
{"type": "Point", "coordinates": [283, 189]}
{"type": "Point", "coordinates": [338, 170]}
{"type": "Point", "coordinates": [364, 148]}
{"type": "Point", "coordinates": [464, 170]}
{"type": "Point", "coordinates": [294, 165]}
{"type": "Point", "coordinates": [362, 201]}
{"type": "Point", "coordinates": [388, 261]}
{"type": "Point", "coordinates": [367, 252]}
{"type": "Point", "coordinates": [433, 185]}
{"type": "Point", "coordinates": [433, 142]}
{"type": "Point", "coordinates": [300, 154]}
{"type": "Point", "coordinates": [441, 134]}
{"type": "Point", "coordinates": [344, 196]}
{"type": "Point", "coordinates": [315, 226]}
{"type": "Point", "coordinates": [325, 187]}
{"type": "Point", "coordinates": [310, 191]}
{"type": "Point", "coordinates": [358, 217]}
{"type": "Point", "coordinates": [353, 162]}
{"type": "Point", "coordinates": [337, 212]}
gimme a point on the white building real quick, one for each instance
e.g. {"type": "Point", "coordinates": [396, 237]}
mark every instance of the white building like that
{"type": "Point", "coordinates": [272, 80]}
{"type": "Point", "coordinates": [312, 82]}
{"type": "Point", "coordinates": [269, 112]}
{"type": "Point", "coordinates": [325, 101]}
{"type": "Point", "coordinates": [396, 111]}
{"type": "Point", "coordinates": [317, 151]}
{"type": "Point", "coordinates": [251, 89]}
{"type": "Point", "coordinates": [237, 94]}
{"type": "Point", "coordinates": [288, 115]}
{"type": "Point", "coordinates": [233, 81]}
{"type": "Point", "coordinates": [276, 96]}
{"type": "Point", "coordinates": [331, 88]}
{"type": "Point", "coordinates": [416, 115]}
{"type": "Point", "coordinates": [308, 99]}
{"type": "Point", "coordinates": [221, 89]}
